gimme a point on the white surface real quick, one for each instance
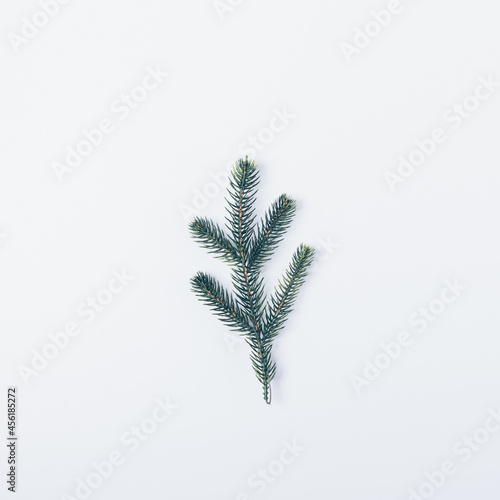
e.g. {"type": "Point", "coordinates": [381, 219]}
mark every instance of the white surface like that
{"type": "Point", "coordinates": [121, 208]}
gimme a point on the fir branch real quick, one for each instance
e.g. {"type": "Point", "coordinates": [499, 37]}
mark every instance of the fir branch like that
{"type": "Point", "coordinates": [264, 367]}
{"type": "Point", "coordinates": [247, 248]}
{"type": "Point", "coordinates": [213, 238]}
{"type": "Point", "coordinates": [212, 293]}
{"type": "Point", "coordinates": [277, 313]}
{"type": "Point", "coordinates": [242, 189]}
{"type": "Point", "coordinates": [285, 294]}
{"type": "Point", "coordinates": [270, 230]}
{"type": "Point", "coordinates": [248, 285]}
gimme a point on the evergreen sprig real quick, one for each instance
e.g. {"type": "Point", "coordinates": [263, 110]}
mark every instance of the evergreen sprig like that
{"type": "Point", "coordinates": [247, 247]}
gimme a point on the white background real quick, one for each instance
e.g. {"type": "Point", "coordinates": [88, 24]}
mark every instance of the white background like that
{"type": "Point", "coordinates": [121, 208]}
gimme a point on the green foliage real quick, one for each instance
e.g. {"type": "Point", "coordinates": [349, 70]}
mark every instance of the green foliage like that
{"type": "Point", "coordinates": [247, 247]}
